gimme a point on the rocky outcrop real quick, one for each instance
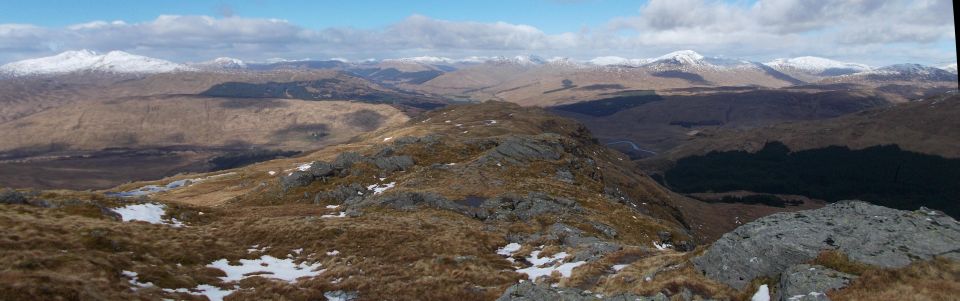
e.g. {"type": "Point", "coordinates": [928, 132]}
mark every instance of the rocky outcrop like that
{"type": "Point", "coordinates": [10, 196]}
{"type": "Point", "coordinates": [804, 282]}
{"type": "Point", "coordinates": [525, 207]}
{"type": "Point", "coordinates": [517, 150]}
{"type": "Point", "coordinates": [866, 233]}
{"type": "Point", "coordinates": [528, 291]}
{"type": "Point", "coordinates": [384, 161]}
{"type": "Point", "coordinates": [393, 163]}
{"type": "Point", "coordinates": [317, 170]}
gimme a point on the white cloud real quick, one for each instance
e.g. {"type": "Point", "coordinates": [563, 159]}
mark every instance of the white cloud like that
{"type": "Point", "coordinates": [871, 31]}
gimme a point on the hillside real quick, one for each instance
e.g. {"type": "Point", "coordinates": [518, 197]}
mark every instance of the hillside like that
{"type": "Point", "coordinates": [99, 130]}
{"type": "Point", "coordinates": [645, 124]}
{"type": "Point", "coordinates": [460, 203]}
{"type": "Point", "coordinates": [923, 126]}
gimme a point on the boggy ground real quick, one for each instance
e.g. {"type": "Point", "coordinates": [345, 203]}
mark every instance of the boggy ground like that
{"type": "Point", "coordinates": [414, 212]}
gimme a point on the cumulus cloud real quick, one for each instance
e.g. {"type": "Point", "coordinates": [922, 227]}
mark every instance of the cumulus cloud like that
{"type": "Point", "coordinates": [878, 30]}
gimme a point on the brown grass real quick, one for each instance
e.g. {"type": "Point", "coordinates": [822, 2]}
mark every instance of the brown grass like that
{"type": "Point", "coordinates": [840, 262]}
{"type": "Point", "coordinates": [934, 280]}
{"type": "Point", "coordinates": [422, 254]}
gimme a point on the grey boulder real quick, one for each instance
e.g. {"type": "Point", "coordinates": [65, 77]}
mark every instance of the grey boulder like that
{"type": "Point", "coordinates": [804, 282]}
{"type": "Point", "coordinates": [529, 291]}
{"type": "Point", "coordinates": [866, 233]}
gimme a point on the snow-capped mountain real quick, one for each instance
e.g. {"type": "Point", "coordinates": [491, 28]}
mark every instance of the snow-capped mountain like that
{"type": "Point", "coordinates": [526, 60]}
{"type": "Point", "coordinates": [221, 63]}
{"type": "Point", "coordinates": [89, 61]}
{"type": "Point", "coordinates": [902, 72]}
{"type": "Point", "coordinates": [952, 68]}
{"type": "Point", "coordinates": [816, 66]}
{"type": "Point", "coordinates": [617, 61]}
{"type": "Point", "coordinates": [682, 57]}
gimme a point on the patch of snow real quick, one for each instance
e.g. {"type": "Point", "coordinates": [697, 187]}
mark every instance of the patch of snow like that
{"type": "Point", "coordinates": [272, 172]}
{"type": "Point", "coordinates": [509, 249]}
{"type": "Point", "coordinates": [256, 248]}
{"type": "Point", "coordinates": [618, 267]}
{"type": "Point", "coordinates": [333, 206]}
{"type": "Point", "coordinates": [387, 139]}
{"type": "Point", "coordinates": [212, 293]}
{"type": "Point", "coordinates": [304, 166]}
{"type": "Point", "coordinates": [661, 246]}
{"type": "Point", "coordinates": [333, 253]}
{"type": "Point", "coordinates": [134, 281]}
{"type": "Point", "coordinates": [547, 265]}
{"type": "Point", "coordinates": [341, 214]}
{"type": "Point", "coordinates": [378, 188]}
{"type": "Point", "coordinates": [268, 267]}
{"type": "Point", "coordinates": [147, 212]}
{"type": "Point", "coordinates": [762, 294]}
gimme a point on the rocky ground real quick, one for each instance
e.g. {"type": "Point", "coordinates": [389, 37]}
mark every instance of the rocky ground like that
{"type": "Point", "coordinates": [478, 202]}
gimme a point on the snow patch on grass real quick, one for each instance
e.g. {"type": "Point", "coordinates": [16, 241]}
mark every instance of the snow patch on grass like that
{"type": "Point", "coordinates": [662, 246]}
{"type": "Point", "coordinates": [147, 212]}
{"type": "Point", "coordinates": [509, 249]}
{"type": "Point", "coordinates": [380, 188]}
{"type": "Point", "coordinates": [268, 267]}
{"type": "Point", "coordinates": [545, 266]}
{"type": "Point", "coordinates": [341, 214]}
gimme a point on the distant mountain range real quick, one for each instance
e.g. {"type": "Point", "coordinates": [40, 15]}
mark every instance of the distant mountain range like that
{"type": "Point", "coordinates": [122, 62]}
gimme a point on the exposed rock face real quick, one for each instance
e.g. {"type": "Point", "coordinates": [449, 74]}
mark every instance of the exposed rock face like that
{"type": "Point", "coordinates": [318, 169]}
{"type": "Point", "coordinates": [867, 233]}
{"type": "Point", "coordinates": [804, 282]}
{"type": "Point", "coordinates": [393, 163]}
{"type": "Point", "coordinates": [10, 196]}
{"type": "Point", "coordinates": [407, 201]}
{"type": "Point", "coordinates": [528, 291]}
{"type": "Point", "coordinates": [524, 208]}
{"type": "Point", "coordinates": [518, 150]}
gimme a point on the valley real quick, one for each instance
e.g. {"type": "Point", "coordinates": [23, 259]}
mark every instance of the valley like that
{"type": "Point", "coordinates": [676, 177]}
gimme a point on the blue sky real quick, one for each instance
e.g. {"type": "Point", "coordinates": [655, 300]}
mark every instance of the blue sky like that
{"type": "Point", "coordinates": [875, 32]}
{"type": "Point", "coordinates": [551, 16]}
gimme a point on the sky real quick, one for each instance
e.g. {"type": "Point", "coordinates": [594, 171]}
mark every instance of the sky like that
{"type": "Point", "coordinates": [875, 32]}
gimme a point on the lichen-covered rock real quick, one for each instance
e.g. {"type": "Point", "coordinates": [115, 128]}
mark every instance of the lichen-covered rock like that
{"type": "Point", "coordinates": [804, 282]}
{"type": "Point", "coordinates": [866, 233]}
{"type": "Point", "coordinates": [341, 193]}
{"type": "Point", "coordinates": [317, 170]}
{"type": "Point", "coordinates": [393, 163]}
{"type": "Point", "coordinates": [517, 150]}
{"type": "Point", "coordinates": [12, 197]}
{"type": "Point", "coordinates": [524, 208]}
{"type": "Point", "coordinates": [346, 160]}
{"type": "Point", "coordinates": [529, 291]}
{"type": "Point", "coordinates": [408, 201]}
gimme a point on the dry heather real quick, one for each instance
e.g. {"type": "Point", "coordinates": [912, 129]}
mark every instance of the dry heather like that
{"type": "Point", "coordinates": [935, 280]}
{"type": "Point", "coordinates": [199, 122]}
{"type": "Point", "coordinates": [67, 245]}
